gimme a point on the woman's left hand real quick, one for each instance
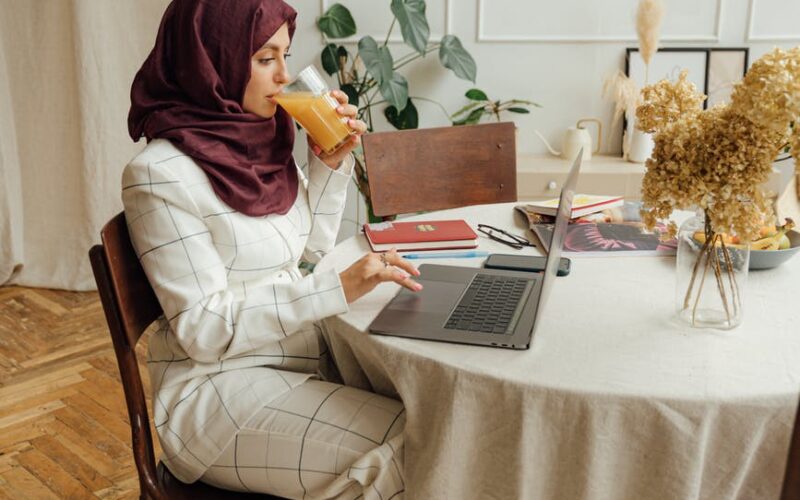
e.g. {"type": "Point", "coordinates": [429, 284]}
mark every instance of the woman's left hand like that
{"type": "Point", "coordinates": [348, 111]}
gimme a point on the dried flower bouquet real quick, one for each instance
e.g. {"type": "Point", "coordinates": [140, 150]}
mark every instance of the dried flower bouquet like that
{"type": "Point", "coordinates": [717, 159]}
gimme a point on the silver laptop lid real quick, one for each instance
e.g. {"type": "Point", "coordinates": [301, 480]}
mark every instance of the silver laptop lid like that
{"type": "Point", "coordinates": [560, 230]}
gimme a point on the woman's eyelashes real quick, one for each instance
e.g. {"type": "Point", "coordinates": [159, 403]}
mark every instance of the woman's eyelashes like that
{"type": "Point", "coordinates": [267, 60]}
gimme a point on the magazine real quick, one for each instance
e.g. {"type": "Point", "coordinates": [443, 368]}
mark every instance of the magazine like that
{"type": "Point", "coordinates": [616, 231]}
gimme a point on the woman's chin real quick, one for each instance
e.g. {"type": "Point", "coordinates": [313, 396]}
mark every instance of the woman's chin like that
{"type": "Point", "coordinates": [266, 111]}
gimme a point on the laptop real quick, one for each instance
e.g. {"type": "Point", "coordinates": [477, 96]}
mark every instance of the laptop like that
{"type": "Point", "coordinates": [470, 305]}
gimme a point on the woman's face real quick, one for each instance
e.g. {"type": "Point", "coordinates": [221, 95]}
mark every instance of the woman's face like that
{"type": "Point", "coordinates": [268, 74]}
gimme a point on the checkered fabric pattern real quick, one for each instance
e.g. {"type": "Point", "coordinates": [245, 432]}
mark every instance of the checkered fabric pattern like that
{"type": "Point", "coordinates": [320, 440]}
{"type": "Point", "coordinates": [239, 331]}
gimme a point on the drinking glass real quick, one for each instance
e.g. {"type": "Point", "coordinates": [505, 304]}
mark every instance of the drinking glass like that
{"type": "Point", "coordinates": [309, 101]}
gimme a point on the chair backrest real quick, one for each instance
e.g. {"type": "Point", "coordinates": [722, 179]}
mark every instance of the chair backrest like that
{"type": "Point", "coordinates": [791, 478]}
{"type": "Point", "coordinates": [438, 168]}
{"type": "Point", "coordinates": [130, 307]}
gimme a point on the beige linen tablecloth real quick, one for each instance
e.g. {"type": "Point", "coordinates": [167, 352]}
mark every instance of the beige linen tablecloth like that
{"type": "Point", "coordinates": [614, 400]}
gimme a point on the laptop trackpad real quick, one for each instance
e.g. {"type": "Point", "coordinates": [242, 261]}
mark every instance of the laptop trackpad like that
{"type": "Point", "coordinates": [436, 296]}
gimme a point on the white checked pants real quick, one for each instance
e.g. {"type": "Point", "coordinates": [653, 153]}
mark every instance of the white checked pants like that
{"type": "Point", "coordinates": [319, 440]}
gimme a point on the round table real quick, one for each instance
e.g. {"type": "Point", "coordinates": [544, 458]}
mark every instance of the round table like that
{"type": "Point", "coordinates": [614, 399]}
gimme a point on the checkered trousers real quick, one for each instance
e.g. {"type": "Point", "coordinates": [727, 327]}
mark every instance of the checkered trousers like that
{"type": "Point", "coordinates": [320, 440]}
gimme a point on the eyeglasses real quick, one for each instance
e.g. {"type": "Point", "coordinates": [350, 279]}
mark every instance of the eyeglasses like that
{"type": "Point", "coordinates": [501, 236]}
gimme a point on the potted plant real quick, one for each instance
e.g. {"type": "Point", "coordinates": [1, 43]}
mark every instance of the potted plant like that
{"type": "Point", "coordinates": [370, 77]}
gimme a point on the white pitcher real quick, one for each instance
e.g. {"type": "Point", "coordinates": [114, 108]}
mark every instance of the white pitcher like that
{"type": "Point", "coordinates": [575, 138]}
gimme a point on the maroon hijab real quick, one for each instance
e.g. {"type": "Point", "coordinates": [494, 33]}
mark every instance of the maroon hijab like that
{"type": "Point", "coordinates": [190, 91]}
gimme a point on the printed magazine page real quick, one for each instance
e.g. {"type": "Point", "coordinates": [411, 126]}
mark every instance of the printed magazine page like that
{"type": "Point", "coordinates": [616, 231]}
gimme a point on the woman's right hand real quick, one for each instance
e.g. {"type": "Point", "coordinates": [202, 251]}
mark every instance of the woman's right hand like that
{"type": "Point", "coordinates": [370, 270]}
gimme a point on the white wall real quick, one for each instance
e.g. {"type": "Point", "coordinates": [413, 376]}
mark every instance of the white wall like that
{"type": "Point", "coordinates": [554, 52]}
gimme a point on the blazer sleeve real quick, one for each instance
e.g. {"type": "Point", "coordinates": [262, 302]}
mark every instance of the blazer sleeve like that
{"type": "Point", "coordinates": [327, 194]}
{"type": "Point", "coordinates": [189, 278]}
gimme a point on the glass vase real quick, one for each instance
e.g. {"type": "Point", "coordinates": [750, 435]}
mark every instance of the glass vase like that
{"type": "Point", "coordinates": [711, 275]}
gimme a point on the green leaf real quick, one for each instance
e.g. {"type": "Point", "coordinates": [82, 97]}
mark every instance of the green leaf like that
{"type": "Point", "coordinates": [395, 90]}
{"type": "Point", "coordinates": [342, 52]}
{"type": "Point", "coordinates": [477, 95]}
{"type": "Point", "coordinates": [403, 120]}
{"type": "Point", "coordinates": [472, 119]}
{"type": "Point", "coordinates": [519, 110]}
{"type": "Point", "coordinates": [527, 103]}
{"type": "Point", "coordinates": [413, 23]}
{"type": "Point", "coordinates": [330, 62]}
{"type": "Point", "coordinates": [454, 57]}
{"type": "Point", "coordinates": [352, 93]}
{"type": "Point", "coordinates": [337, 22]}
{"type": "Point", "coordinates": [378, 60]}
{"type": "Point", "coordinates": [466, 108]}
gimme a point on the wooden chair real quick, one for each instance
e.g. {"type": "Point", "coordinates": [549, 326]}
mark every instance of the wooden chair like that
{"type": "Point", "coordinates": [130, 307]}
{"type": "Point", "coordinates": [791, 478]}
{"type": "Point", "coordinates": [438, 168]}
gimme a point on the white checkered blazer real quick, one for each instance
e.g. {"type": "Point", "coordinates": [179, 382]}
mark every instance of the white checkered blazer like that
{"type": "Point", "coordinates": [235, 303]}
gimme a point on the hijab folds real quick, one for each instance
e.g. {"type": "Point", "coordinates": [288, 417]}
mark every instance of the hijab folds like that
{"type": "Point", "coordinates": [190, 91]}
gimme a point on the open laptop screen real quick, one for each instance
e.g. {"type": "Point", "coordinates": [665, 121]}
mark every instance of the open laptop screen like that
{"type": "Point", "coordinates": [560, 229]}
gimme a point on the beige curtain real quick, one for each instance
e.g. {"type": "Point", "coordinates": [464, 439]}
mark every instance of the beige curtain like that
{"type": "Point", "coordinates": [65, 73]}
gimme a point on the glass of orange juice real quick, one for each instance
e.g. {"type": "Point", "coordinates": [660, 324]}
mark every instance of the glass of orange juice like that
{"type": "Point", "coordinates": [311, 104]}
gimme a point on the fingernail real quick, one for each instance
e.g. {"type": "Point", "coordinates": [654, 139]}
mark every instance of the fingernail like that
{"type": "Point", "coordinates": [416, 272]}
{"type": "Point", "coordinates": [417, 287]}
{"type": "Point", "coordinates": [340, 109]}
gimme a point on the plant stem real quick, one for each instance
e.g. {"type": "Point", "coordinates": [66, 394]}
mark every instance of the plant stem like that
{"type": "Point", "coordinates": [391, 26]}
{"type": "Point", "coordinates": [414, 56]}
{"type": "Point", "coordinates": [720, 282]}
{"type": "Point", "coordinates": [732, 279]}
{"type": "Point", "coordinates": [434, 102]}
{"type": "Point", "coordinates": [709, 249]}
{"type": "Point", "coordinates": [702, 252]}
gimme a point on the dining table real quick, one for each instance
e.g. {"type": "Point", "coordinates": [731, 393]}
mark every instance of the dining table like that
{"type": "Point", "coordinates": [616, 398]}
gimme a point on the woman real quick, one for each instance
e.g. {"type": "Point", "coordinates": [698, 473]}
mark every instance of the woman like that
{"type": "Point", "coordinates": [220, 215]}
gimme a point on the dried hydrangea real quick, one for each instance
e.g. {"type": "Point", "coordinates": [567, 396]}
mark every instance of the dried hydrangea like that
{"type": "Point", "coordinates": [717, 159]}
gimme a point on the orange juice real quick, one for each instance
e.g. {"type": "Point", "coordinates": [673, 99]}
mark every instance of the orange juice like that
{"type": "Point", "coordinates": [317, 114]}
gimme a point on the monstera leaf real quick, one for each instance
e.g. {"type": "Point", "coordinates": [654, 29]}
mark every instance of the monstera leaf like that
{"type": "Point", "coordinates": [337, 22]}
{"type": "Point", "coordinates": [454, 57]}
{"type": "Point", "coordinates": [378, 60]}
{"type": "Point", "coordinates": [352, 93]}
{"type": "Point", "coordinates": [403, 120]}
{"type": "Point", "coordinates": [330, 61]}
{"type": "Point", "coordinates": [395, 91]}
{"type": "Point", "coordinates": [413, 23]}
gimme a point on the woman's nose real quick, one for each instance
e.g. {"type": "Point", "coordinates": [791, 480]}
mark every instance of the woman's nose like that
{"type": "Point", "coordinates": [283, 76]}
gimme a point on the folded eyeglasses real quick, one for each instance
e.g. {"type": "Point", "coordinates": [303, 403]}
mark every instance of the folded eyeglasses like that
{"type": "Point", "coordinates": [501, 236]}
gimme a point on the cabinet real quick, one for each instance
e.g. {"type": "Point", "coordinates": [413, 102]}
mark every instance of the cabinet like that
{"type": "Point", "coordinates": [541, 177]}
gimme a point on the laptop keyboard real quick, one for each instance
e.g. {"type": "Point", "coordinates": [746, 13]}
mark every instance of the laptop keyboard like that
{"type": "Point", "coordinates": [488, 305]}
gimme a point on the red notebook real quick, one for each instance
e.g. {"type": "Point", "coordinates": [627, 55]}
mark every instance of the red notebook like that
{"type": "Point", "coordinates": [422, 235]}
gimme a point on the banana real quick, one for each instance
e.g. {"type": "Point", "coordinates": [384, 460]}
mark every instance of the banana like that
{"type": "Point", "coordinates": [775, 240]}
{"type": "Point", "coordinates": [768, 243]}
{"type": "Point", "coordinates": [731, 242]}
{"type": "Point", "coordinates": [772, 238]}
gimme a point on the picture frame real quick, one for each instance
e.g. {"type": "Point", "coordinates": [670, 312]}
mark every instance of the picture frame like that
{"type": "Point", "coordinates": [714, 71]}
{"type": "Point", "coordinates": [726, 66]}
{"type": "Point", "coordinates": [668, 63]}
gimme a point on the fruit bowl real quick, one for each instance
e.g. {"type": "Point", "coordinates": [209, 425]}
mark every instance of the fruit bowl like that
{"type": "Point", "coordinates": [767, 259]}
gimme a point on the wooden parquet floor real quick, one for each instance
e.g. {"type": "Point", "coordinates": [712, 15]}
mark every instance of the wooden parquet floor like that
{"type": "Point", "coordinates": [64, 429]}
